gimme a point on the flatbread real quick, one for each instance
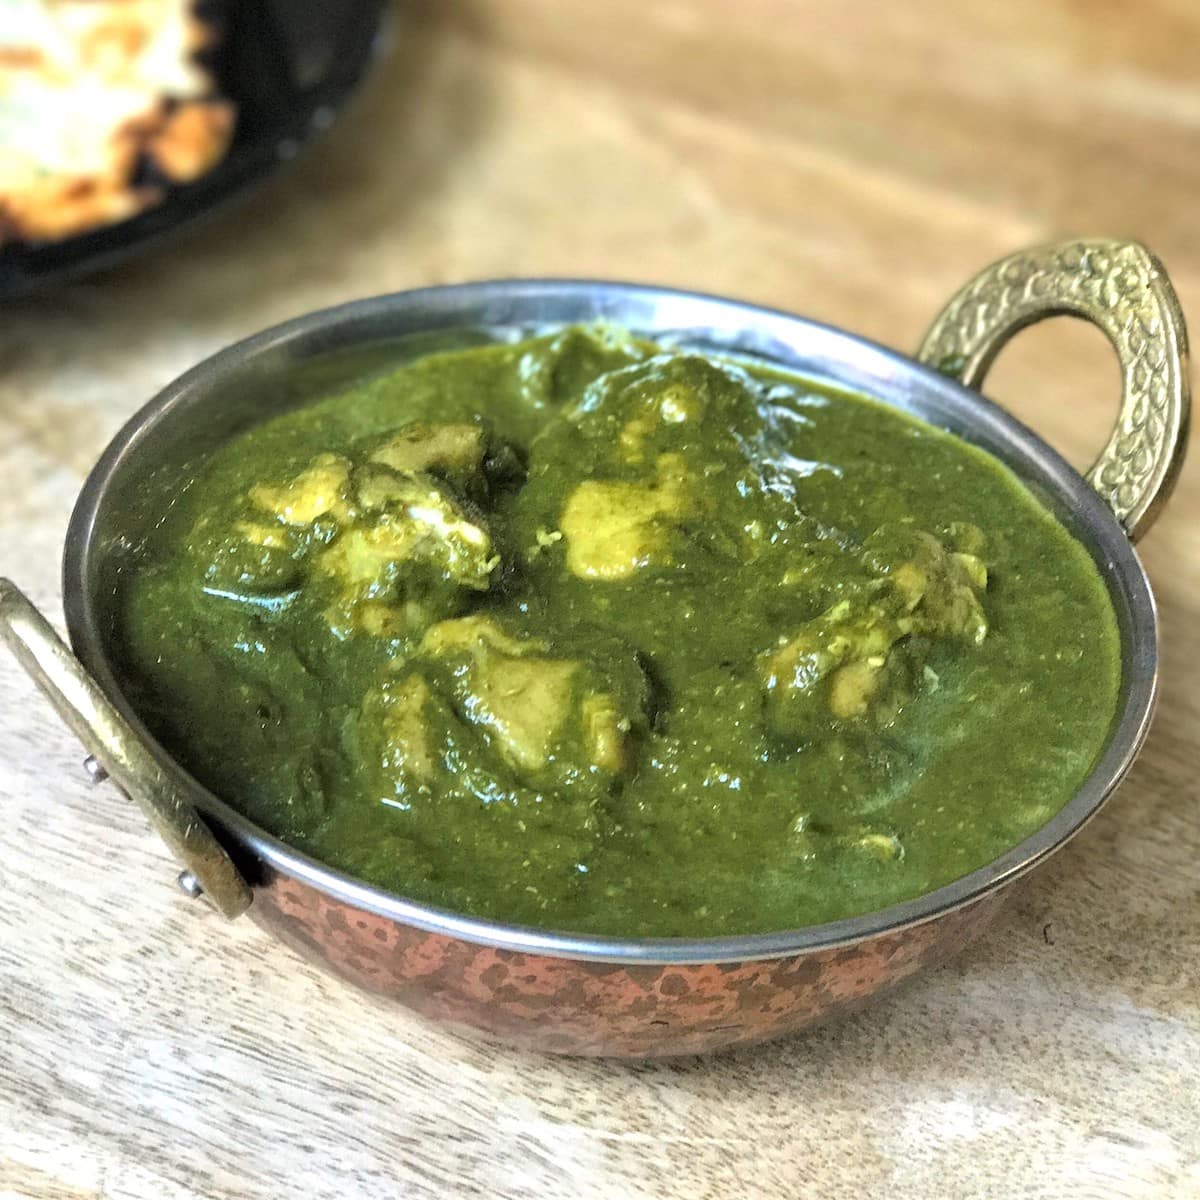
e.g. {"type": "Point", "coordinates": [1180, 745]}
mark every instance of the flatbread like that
{"type": "Point", "coordinates": [92, 94]}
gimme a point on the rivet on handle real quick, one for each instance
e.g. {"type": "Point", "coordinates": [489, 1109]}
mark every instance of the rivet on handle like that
{"type": "Point", "coordinates": [93, 770]}
{"type": "Point", "coordinates": [189, 885]}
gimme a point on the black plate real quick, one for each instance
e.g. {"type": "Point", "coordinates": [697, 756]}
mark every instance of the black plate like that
{"type": "Point", "coordinates": [288, 65]}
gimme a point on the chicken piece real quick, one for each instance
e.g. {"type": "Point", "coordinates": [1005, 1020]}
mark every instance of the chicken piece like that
{"type": "Point", "coordinates": [664, 447]}
{"type": "Point", "coordinates": [511, 687]}
{"type": "Point", "coordinates": [410, 550]}
{"type": "Point", "coordinates": [454, 449]}
{"type": "Point", "coordinates": [478, 713]}
{"type": "Point", "coordinates": [404, 519]}
{"type": "Point", "coordinates": [322, 488]}
{"type": "Point", "coordinates": [263, 550]}
{"type": "Point", "coordinates": [673, 405]}
{"type": "Point", "coordinates": [551, 718]}
{"type": "Point", "coordinates": [606, 733]}
{"type": "Point", "coordinates": [461, 452]}
{"type": "Point", "coordinates": [410, 745]}
{"type": "Point", "coordinates": [613, 530]}
{"type": "Point", "coordinates": [840, 656]}
{"type": "Point", "coordinates": [402, 709]}
{"type": "Point", "coordinates": [856, 661]}
{"type": "Point", "coordinates": [385, 551]}
{"type": "Point", "coordinates": [940, 587]}
{"type": "Point", "coordinates": [255, 561]}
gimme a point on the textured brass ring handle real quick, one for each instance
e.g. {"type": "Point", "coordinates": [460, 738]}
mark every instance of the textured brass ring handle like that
{"type": "Point", "coordinates": [119, 750]}
{"type": "Point", "coordinates": [1122, 288]}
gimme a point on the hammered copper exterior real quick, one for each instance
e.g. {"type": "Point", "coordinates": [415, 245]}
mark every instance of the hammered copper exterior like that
{"type": "Point", "coordinates": [574, 1006]}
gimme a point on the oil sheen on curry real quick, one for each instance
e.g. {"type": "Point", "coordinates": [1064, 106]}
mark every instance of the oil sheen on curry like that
{"type": "Point", "coordinates": [586, 633]}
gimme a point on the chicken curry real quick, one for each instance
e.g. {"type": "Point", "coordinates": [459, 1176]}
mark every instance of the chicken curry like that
{"type": "Point", "coordinates": [587, 633]}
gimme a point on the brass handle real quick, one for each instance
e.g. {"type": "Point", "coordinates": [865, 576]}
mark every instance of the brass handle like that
{"type": "Point", "coordinates": [119, 750]}
{"type": "Point", "coordinates": [1122, 288]}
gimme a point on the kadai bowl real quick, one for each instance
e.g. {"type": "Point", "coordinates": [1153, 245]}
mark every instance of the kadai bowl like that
{"type": "Point", "coordinates": [616, 670]}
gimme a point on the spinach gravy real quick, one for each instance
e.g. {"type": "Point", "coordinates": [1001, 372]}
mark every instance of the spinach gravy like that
{"type": "Point", "coordinates": [587, 633]}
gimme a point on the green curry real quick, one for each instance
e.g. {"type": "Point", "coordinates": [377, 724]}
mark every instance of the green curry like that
{"type": "Point", "coordinates": [585, 633]}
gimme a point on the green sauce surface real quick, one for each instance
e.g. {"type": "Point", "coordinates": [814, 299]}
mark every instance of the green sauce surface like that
{"type": "Point", "coordinates": [589, 634]}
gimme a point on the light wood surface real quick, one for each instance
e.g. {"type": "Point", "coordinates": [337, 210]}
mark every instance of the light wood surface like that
{"type": "Point", "coordinates": [855, 162]}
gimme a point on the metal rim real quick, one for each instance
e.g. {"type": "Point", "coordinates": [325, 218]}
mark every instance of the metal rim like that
{"type": "Point", "coordinates": [759, 331]}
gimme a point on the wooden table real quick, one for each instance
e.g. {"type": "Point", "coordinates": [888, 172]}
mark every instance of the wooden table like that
{"type": "Point", "coordinates": [854, 162]}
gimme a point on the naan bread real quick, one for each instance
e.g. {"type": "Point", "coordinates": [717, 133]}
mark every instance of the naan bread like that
{"type": "Point", "coordinates": [91, 92]}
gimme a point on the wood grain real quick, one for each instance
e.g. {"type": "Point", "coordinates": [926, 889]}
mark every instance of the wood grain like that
{"type": "Point", "coordinates": [853, 162]}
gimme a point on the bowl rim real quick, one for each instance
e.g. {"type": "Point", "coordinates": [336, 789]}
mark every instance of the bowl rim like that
{"type": "Point", "coordinates": [498, 305]}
